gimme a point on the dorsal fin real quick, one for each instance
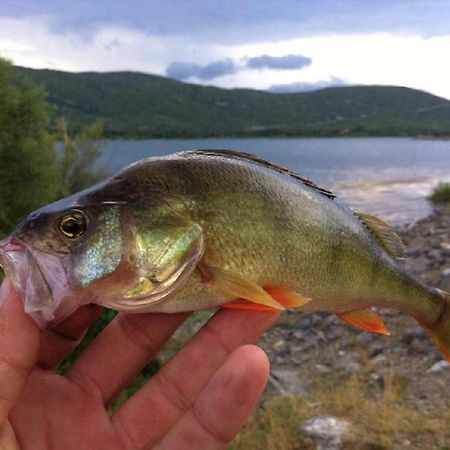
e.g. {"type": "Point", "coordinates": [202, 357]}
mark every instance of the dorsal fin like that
{"type": "Point", "coordinates": [385, 234]}
{"type": "Point", "coordinates": [249, 157]}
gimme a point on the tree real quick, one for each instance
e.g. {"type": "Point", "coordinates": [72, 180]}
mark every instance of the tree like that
{"type": "Point", "coordinates": [77, 157]}
{"type": "Point", "coordinates": [28, 175]}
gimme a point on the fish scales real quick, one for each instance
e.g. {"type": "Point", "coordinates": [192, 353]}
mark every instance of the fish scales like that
{"type": "Point", "coordinates": [271, 228]}
{"type": "Point", "coordinates": [212, 228]}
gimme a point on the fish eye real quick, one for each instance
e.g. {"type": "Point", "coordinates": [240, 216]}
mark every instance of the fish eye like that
{"type": "Point", "coordinates": [73, 225]}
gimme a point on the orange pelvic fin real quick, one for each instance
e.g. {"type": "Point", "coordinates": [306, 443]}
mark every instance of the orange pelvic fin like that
{"type": "Point", "coordinates": [287, 296]}
{"type": "Point", "coordinates": [365, 319]}
{"type": "Point", "coordinates": [237, 286]}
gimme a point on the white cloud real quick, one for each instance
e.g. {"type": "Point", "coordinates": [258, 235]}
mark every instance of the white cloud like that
{"type": "Point", "coordinates": [29, 42]}
{"type": "Point", "coordinates": [379, 58]}
{"type": "Point", "coordinates": [389, 59]}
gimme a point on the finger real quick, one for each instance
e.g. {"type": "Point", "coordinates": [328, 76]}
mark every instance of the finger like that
{"type": "Point", "coordinates": [224, 405]}
{"type": "Point", "coordinates": [60, 339]}
{"type": "Point", "coordinates": [19, 344]}
{"type": "Point", "coordinates": [121, 350]}
{"type": "Point", "coordinates": [175, 388]}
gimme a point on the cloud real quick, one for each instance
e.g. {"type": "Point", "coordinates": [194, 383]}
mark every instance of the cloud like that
{"type": "Point", "coordinates": [394, 58]}
{"type": "Point", "coordinates": [183, 70]}
{"type": "Point", "coordinates": [302, 86]}
{"type": "Point", "coordinates": [286, 62]}
{"type": "Point", "coordinates": [217, 69]}
{"type": "Point", "coordinates": [33, 43]}
{"type": "Point", "coordinates": [237, 21]}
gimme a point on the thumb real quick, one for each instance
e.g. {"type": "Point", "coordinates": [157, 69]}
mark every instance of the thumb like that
{"type": "Point", "coordinates": [19, 344]}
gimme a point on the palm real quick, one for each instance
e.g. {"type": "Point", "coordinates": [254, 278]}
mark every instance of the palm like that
{"type": "Point", "coordinates": [199, 399]}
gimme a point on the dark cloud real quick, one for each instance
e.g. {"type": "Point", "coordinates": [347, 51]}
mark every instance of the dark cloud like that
{"type": "Point", "coordinates": [182, 70]}
{"type": "Point", "coordinates": [302, 86]}
{"type": "Point", "coordinates": [286, 62]}
{"type": "Point", "coordinates": [237, 21]}
{"type": "Point", "coordinates": [217, 69]}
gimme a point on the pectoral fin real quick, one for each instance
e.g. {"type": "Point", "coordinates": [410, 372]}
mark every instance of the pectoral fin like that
{"type": "Point", "coordinates": [237, 286]}
{"type": "Point", "coordinates": [365, 319]}
{"type": "Point", "coordinates": [286, 296]}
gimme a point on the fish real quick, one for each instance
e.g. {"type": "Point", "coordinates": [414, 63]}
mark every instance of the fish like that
{"type": "Point", "coordinates": [215, 229]}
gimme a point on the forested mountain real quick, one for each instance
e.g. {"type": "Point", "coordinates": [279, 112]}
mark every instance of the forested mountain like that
{"type": "Point", "coordinates": [138, 105]}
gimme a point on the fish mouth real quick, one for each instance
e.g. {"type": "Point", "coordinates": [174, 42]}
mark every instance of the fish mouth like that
{"type": "Point", "coordinates": [36, 276]}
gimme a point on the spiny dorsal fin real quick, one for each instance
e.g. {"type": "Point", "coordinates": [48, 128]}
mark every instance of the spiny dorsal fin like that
{"type": "Point", "coordinates": [385, 234]}
{"type": "Point", "coordinates": [249, 157]}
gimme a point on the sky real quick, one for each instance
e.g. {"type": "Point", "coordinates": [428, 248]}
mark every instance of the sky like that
{"type": "Point", "coordinates": [278, 45]}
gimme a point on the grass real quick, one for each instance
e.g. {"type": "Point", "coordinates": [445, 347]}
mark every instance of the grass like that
{"type": "Point", "coordinates": [380, 418]}
{"type": "Point", "coordinates": [441, 193]}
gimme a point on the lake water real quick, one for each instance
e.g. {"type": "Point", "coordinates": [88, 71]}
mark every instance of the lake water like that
{"type": "Point", "coordinates": [390, 177]}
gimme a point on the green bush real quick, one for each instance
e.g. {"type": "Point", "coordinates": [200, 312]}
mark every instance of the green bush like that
{"type": "Point", "coordinates": [78, 155]}
{"type": "Point", "coordinates": [441, 193]}
{"type": "Point", "coordinates": [28, 175]}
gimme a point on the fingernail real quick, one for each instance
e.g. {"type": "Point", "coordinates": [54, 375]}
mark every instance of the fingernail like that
{"type": "Point", "coordinates": [5, 290]}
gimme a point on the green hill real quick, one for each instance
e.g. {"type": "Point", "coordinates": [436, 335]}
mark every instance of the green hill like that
{"type": "Point", "coordinates": [138, 105]}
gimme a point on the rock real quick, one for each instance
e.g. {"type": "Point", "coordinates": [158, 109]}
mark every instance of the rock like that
{"type": "Point", "coordinates": [376, 350]}
{"type": "Point", "coordinates": [279, 344]}
{"type": "Point", "coordinates": [418, 265]}
{"type": "Point", "coordinates": [366, 338]}
{"type": "Point", "coordinates": [436, 255]}
{"type": "Point", "coordinates": [322, 369]}
{"type": "Point", "coordinates": [327, 432]}
{"type": "Point", "coordinates": [376, 380]}
{"type": "Point", "coordinates": [416, 246]}
{"type": "Point", "coordinates": [335, 333]}
{"type": "Point", "coordinates": [438, 366]}
{"type": "Point", "coordinates": [348, 362]}
{"type": "Point", "coordinates": [379, 360]}
{"type": "Point", "coordinates": [412, 333]}
{"type": "Point", "coordinates": [286, 381]}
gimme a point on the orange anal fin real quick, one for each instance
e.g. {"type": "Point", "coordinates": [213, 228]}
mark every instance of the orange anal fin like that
{"type": "Point", "coordinates": [244, 304]}
{"type": "Point", "coordinates": [365, 319]}
{"type": "Point", "coordinates": [286, 296]}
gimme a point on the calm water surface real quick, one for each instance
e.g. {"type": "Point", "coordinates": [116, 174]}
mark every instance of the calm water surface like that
{"type": "Point", "coordinates": [390, 177]}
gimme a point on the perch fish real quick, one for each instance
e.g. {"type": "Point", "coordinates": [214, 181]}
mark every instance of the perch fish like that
{"type": "Point", "coordinates": [214, 228]}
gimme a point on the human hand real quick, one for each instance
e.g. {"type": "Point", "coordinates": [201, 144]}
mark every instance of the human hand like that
{"type": "Point", "coordinates": [198, 400]}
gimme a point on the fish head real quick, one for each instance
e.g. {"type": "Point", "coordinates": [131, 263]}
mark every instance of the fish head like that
{"type": "Point", "coordinates": [122, 255]}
